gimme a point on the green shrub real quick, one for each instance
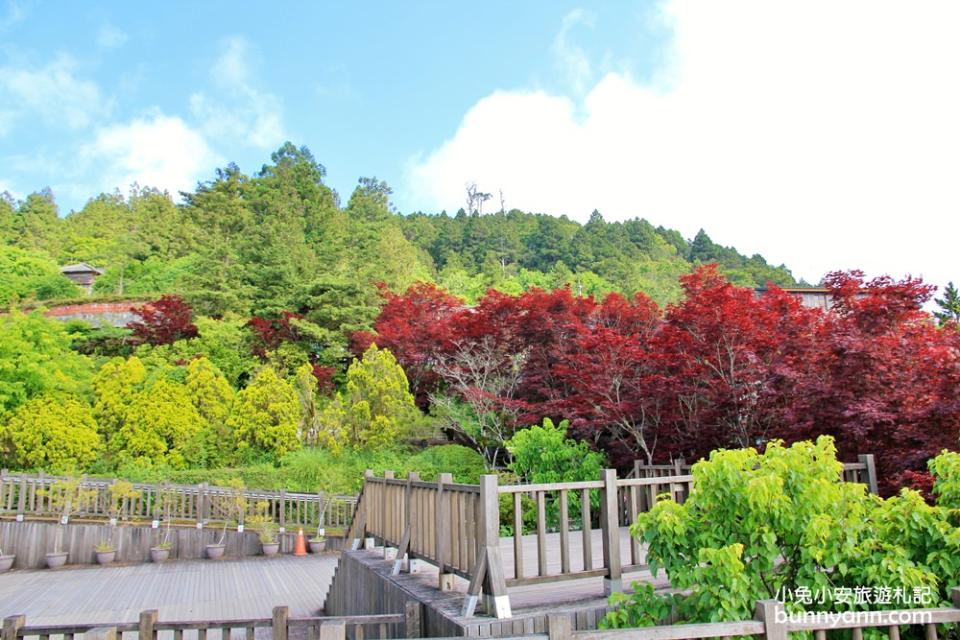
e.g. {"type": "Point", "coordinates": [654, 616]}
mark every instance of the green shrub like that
{"type": "Point", "coordinates": [52, 433]}
{"type": "Point", "coordinates": [756, 526]}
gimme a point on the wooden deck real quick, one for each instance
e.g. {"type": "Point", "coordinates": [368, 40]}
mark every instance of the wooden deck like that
{"type": "Point", "coordinates": [553, 593]}
{"type": "Point", "coordinates": [189, 590]}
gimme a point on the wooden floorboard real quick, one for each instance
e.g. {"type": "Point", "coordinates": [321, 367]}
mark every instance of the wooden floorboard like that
{"type": "Point", "coordinates": [186, 590]}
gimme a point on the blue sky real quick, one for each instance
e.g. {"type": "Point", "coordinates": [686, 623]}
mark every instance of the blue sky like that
{"type": "Point", "coordinates": [821, 134]}
{"type": "Point", "coordinates": [367, 86]}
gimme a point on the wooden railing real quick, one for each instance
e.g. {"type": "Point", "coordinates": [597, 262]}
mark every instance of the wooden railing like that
{"type": "Point", "coordinates": [772, 622]}
{"type": "Point", "coordinates": [457, 527]}
{"type": "Point", "coordinates": [399, 625]}
{"type": "Point", "coordinates": [29, 496]}
{"type": "Point", "coordinates": [863, 471]}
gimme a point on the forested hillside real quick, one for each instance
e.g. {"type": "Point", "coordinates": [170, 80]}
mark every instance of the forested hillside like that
{"type": "Point", "coordinates": [283, 326]}
{"type": "Point", "coordinates": [282, 240]}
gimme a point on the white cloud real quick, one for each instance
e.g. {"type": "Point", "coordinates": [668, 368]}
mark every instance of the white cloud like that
{"type": "Point", "coordinates": [54, 92]}
{"type": "Point", "coordinates": [110, 37]}
{"type": "Point", "coordinates": [239, 110]}
{"type": "Point", "coordinates": [156, 151]}
{"type": "Point", "coordinates": [820, 134]}
{"type": "Point", "coordinates": [572, 60]}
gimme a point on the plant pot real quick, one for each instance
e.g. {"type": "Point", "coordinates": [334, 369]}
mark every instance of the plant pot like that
{"type": "Point", "coordinates": [317, 546]}
{"type": "Point", "coordinates": [159, 554]}
{"type": "Point", "coordinates": [106, 557]}
{"type": "Point", "coordinates": [270, 548]}
{"type": "Point", "coordinates": [215, 551]}
{"type": "Point", "coordinates": [6, 562]}
{"type": "Point", "coordinates": [57, 559]}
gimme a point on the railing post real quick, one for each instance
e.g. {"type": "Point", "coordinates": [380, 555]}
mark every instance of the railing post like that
{"type": "Point", "coordinates": [283, 511]}
{"type": "Point", "coordinates": [22, 498]}
{"type": "Point", "coordinates": [12, 626]}
{"type": "Point", "coordinates": [442, 531]}
{"type": "Point", "coordinates": [101, 633]}
{"type": "Point", "coordinates": [559, 626]}
{"type": "Point", "coordinates": [408, 520]}
{"type": "Point", "coordinates": [148, 622]}
{"type": "Point", "coordinates": [773, 616]}
{"type": "Point", "coordinates": [411, 619]}
{"type": "Point", "coordinates": [335, 630]}
{"type": "Point", "coordinates": [871, 465]}
{"type": "Point", "coordinates": [280, 615]}
{"type": "Point", "coordinates": [201, 503]}
{"type": "Point", "coordinates": [610, 525]}
{"type": "Point", "coordinates": [487, 574]}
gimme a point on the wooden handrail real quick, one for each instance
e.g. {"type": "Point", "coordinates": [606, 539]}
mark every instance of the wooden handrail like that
{"type": "Point", "coordinates": [23, 494]}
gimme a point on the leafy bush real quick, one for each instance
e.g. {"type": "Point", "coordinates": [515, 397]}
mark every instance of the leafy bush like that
{"type": "Point", "coordinates": [375, 410]}
{"type": "Point", "coordinates": [266, 416]}
{"type": "Point", "coordinates": [160, 426]}
{"type": "Point", "coordinates": [54, 433]}
{"type": "Point", "coordinates": [544, 454]}
{"type": "Point", "coordinates": [466, 465]}
{"type": "Point", "coordinates": [35, 358]}
{"type": "Point", "coordinates": [759, 525]}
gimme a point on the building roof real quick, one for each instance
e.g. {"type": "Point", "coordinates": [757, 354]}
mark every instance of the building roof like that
{"type": "Point", "coordinates": [80, 267]}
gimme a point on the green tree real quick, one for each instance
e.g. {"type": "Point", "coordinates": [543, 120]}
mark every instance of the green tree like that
{"type": "Point", "coordinates": [35, 358]}
{"type": "Point", "coordinates": [160, 428]}
{"type": "Point", "coordinates": [26, 274]}
{"type": "Point", "coordinates": [116, 385]}
{"type": "Point", "coordinates": [212, 396]}
{"type": "Point", "coordinates": [544, 454]}
{"type": "Point", "coordinates": [52, 433]}
{"type": "Point", "coordinates": [375, 410]}
{"type": "Point", "coordinates": [949, 305]}
{"type": "Point", "coordinates": [37, 224]}
{"type": "Point", "coordinates": [266, 415]}
{"type": "Point", "coordinates": [755, 524]}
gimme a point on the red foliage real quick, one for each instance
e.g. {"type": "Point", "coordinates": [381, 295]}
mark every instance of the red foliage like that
{"type": "Point", "coordinates": [324, 376]}
{"type": "Point", "coordinates": [270, 333]}
{"type": "Point", "coordinates": [724, 367]}
{"type": "Point", "coordinates": [163, 321]}
{"type": "Point", "coordinates": [412, 325]}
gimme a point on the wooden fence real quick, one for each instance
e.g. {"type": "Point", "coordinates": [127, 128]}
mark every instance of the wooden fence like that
{"type": "Point", "coordinates": [457, 527]}
{"type": "Point", "coordinates": [864, 470]}
{"type": "Point", "coordinates": [772, 622]}
{"type": "Point", "coordinates": [281, 626]}
{"type": "Point", "coordinates": [29, 496]}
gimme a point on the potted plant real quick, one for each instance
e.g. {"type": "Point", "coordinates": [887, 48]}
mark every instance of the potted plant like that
{"type": "Point", "coordinates": [162, 508]}
{"type": "Point", "coordinates": [317, 543]}
{"type": "Point", "coordinates": [262, 522]}
{"type": "Point", "coordinates": [233, 504]}
{"type": "Point", "coordinates": [106, 552]}
{"type": "Point", "coordinates": [66, 497]}
{"type": "Point", "coordinates": [120, 494]}
{"type": "Point", "coordinates": [5, 561]}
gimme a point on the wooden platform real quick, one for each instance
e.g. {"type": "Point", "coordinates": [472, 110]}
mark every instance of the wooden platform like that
{"type": "Point", "coordinates": [188, 590]}
{"type": "Point", "coordinates": [364, 582]}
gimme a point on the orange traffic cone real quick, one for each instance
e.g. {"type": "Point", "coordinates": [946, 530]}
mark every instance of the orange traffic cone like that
{"type": "Point", "coordinates": [300, 547]}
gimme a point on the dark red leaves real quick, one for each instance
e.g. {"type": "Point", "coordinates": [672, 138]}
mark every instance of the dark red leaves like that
{"type": "Point", "coordinates": [163, 321]}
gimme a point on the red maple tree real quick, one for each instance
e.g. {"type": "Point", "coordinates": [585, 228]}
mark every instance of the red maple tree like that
{"type": "Point", "coordinates": [163, 321]}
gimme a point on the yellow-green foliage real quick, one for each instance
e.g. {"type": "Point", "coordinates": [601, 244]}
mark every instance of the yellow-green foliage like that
{"type": "Point", "coordinates": [375, 409]}
{"type": "Point", "coordinates": [53, 433]}
{"type": "Point", "coordinates": [213, 396]}
{"type": "Point", "coordinates": [266, 415]}
{"type": "Point", "coordinates": [161, 422]}
{"type": "Point", "coordinates": [755, 524]}
{"type": "Point", "coordinates": [35, 358]}
{"type": "Point", "coordinates": [116, 384]}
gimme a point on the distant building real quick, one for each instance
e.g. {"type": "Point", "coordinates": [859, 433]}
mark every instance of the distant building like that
{"type": "Point", "coordinates": [82, 274]}
{"type": "Point", "coordinates": [813, 297]}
